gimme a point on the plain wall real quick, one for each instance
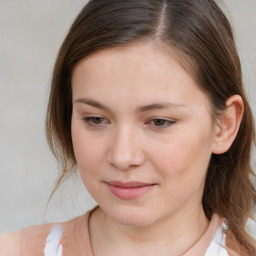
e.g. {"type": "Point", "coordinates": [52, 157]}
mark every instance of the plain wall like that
{"type": "Point", "coordinates": [31, 33]}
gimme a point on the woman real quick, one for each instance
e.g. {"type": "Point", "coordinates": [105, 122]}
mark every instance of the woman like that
{"type": "Point", "coordinates": [147, 101]}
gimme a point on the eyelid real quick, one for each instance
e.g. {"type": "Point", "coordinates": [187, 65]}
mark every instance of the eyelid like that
{"type": "Point", "coordinates": [166, 120]}
{"type": "Point", "coordinates": [88, 120]}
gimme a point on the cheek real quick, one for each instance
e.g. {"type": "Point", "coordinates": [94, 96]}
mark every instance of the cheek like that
{"type": "Point", "coordinates": [183, 157]}
{"type": "Point", "coordinates": [85, 148]}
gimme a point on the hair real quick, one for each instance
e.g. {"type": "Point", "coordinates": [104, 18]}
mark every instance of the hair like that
{"type": "Point", "coordinates": [197, 32]}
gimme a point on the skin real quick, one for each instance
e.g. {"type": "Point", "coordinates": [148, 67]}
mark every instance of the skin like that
{"type": "Point", "coordinates": [130, 145]}
{"type": "Point", "coordinates": [168, 145]}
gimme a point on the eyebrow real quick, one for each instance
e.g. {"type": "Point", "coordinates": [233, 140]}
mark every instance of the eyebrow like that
{"type": "Point", "coordinates": [163, 105]}
{"type": "Point", "coordinates": [92, 103]}
{"type": "Point", "coordinates": [146, 108]}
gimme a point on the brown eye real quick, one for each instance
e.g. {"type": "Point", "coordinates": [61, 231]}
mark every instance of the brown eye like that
{"type": "Point", "coordinates": [97, 120]}
{"type": "Point", "coordinates": [159, 122]}
{"type": "Point", "coordinates": [94, 120]}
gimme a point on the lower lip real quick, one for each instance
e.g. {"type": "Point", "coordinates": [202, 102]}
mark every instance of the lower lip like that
{"type": "Point", "coordinates": [129, 193]}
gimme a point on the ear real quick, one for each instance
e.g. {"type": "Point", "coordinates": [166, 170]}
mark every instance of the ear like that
{"type": "Point", "coordinates": [228, 125]}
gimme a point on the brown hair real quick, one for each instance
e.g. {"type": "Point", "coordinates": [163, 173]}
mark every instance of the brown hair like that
{"type": "Point", "coordinates": [199, 32]}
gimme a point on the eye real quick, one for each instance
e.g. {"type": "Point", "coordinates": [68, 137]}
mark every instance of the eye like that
{"type": "Point", "coordinates": [161, 123]}
{"type": "Point", "coordinates": [94, 120]}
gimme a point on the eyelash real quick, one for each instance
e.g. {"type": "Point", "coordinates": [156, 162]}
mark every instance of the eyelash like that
{"type": "Point", "coordinates": [90, 121]}
{"type": "Point", "coordinates": [166, 122]}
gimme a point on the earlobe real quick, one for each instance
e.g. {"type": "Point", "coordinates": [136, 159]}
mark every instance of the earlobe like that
{"type": "Point", "coordinates": [228, 125]}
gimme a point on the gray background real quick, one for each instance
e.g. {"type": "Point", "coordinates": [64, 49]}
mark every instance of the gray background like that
{"type": "Point", "coordinates": [31, 32]}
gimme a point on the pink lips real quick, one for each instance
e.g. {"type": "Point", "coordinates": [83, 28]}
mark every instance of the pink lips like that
{"type": "Point", "coordinates": [128, 190]}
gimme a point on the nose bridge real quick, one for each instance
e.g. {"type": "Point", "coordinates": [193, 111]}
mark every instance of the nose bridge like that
{"type": "Point", "coordinates": [125, 150]}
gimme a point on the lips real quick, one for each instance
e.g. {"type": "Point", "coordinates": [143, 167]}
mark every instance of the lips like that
{"type": "Point", "coordinates": [128, 190]}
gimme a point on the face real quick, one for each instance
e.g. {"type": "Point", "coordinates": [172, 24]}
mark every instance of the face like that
{"type": "Point", "coordinates": [142, 134]}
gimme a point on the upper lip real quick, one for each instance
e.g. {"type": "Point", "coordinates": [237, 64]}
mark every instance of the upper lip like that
{"type": "Point", "coordinates": [131, 184]}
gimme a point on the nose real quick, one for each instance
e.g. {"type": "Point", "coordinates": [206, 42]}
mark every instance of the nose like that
{"type": "Point", "coordinates": [125, 151]}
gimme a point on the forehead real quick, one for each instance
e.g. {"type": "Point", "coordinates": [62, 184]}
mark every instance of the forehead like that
{"type": "Point", "coordinates": [141, 72]}
{"type": "Point", "coordinates": [138, 57]}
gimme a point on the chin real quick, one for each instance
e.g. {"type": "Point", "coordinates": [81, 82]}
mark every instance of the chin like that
{"type": "Point", "coordinates": [132, 221]}
{"type": "Point", "coordinates": [129, 216]}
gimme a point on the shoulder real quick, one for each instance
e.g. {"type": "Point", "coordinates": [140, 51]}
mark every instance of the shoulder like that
{"type": "Point", "coordinates": [73, 235]}
{"type": "Point", "coordinates": [69, 236]}
{"type": "Point", "coordinates": [10, 244]}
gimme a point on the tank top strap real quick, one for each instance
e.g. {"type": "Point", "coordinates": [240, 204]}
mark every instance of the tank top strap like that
{"type": "Point", "coordinates": [69, 238]}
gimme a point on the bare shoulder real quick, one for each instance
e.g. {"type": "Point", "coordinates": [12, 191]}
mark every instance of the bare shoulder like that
{"type": "Point", "coordinates": [10, 244]}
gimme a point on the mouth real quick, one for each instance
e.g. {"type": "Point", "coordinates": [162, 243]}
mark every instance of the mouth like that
{"type": "Point", "coordinates": [129, 190]}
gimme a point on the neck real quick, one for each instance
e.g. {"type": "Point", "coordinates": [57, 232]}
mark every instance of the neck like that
{"type": "Point", "coordinates": [182, 229]}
